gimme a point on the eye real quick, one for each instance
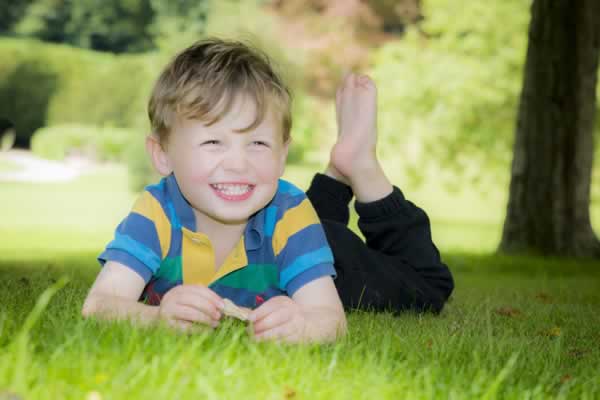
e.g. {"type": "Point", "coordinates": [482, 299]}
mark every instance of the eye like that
{"type": "Point", "coordinates": [260, 143]}
{"type": "Point", "coordinates": [211, 142]}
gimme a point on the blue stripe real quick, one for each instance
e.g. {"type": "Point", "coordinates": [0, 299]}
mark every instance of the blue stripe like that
{"type": "Point", "coordinates": [173, 216]}
{"type": "Point", "coordinates": [310, 275]}
{"type": "Point", "coordinates": [175, 249]}
{"type": "Point", "coordinates": [157, 187]}
{"type": "Point", "coordinates": [286, 187]}
{"type": "Point", "coordinates": [304, 262]}
{"type": "Point", "coordinates": [262, 254]}
{"type": "Point", "coordinates": [286, 203]}
{"type": "Point", "coordinates": [162, 285]}
{"type": "Point", "coordinates": [270, 218]}
{"type": "Point", "coordinates": [142, 230]}
{"type": "Point", "coordinates": [181, 209]}
{"type": "Point", "coordinates": [309, 238]}
{"type": "Point", "coordinates": [136, 249]}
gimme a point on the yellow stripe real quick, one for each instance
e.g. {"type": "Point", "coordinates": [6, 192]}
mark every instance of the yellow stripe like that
{"type": "Point", "coordinates": [150, 208]}
{"type": "Point", "coordinates": [197, 258]}
{"type": "Point", "coordinates": [293, 221]}
{"type": "Point", "coordinates": [237, 259]}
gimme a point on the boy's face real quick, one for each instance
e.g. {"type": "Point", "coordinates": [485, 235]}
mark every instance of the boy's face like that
{"type": "Point", "coordinates": [226, 175]}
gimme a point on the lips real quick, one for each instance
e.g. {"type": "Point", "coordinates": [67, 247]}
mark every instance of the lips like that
{"type": "Point", "coordinates": [233, 191]}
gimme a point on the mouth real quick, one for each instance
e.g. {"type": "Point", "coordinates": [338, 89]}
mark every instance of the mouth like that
{"type": "Point", "coordinates": [233, 191]}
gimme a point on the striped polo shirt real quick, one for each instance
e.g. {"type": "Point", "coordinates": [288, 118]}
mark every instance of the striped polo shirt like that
{"type": "Point", "coordinates": [283, 247]}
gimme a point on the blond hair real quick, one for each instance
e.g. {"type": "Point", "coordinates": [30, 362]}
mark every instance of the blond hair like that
{"type": "Point", "coordinates": [203, 81]}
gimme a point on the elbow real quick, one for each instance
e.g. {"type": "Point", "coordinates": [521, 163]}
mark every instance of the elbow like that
{"type": "Point", "coordinates": [342, 327]}
{"type": "Point", "coordinates": [89, 307]}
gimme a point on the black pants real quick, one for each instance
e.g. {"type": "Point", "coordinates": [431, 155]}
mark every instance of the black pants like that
{"type": "Point", "coordinates": [398, 268]}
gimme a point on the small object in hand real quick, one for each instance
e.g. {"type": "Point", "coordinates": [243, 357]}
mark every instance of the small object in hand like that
{"type": "Point", "coordinates": [232, 310]}
{"type": "Point", "coordinates": [259, 300]}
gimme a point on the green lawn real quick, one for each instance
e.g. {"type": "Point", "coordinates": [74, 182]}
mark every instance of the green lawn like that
{"type": "Point", "coordinates": [516, 327]}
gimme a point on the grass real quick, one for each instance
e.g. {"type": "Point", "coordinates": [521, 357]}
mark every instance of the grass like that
{"type": "Point", "coordinates": [516, 327]}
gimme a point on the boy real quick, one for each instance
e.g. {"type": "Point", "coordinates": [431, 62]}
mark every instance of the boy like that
{"type": "Point", "coordinates": [399, 268]}
{"type": "Point", "coordinates": [221, 224]}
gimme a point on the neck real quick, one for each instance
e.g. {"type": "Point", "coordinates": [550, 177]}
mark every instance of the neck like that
{"type": "Point", "coordinates": [216, 230]}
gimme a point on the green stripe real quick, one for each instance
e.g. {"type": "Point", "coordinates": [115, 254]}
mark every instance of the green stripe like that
{"type": "Point", "coordinates": [254, 277]}
{"type": "Point", "coordinates": [170, 269]}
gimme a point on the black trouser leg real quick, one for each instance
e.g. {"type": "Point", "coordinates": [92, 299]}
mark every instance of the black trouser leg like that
{"type": "Point", "coordinates": [398, 268]}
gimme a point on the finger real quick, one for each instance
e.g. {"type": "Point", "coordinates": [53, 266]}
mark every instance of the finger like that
{"type": "Point", "coordinates": [180, 325]}
{"type": "Point", "coordinates": [191, 314]}
{"type": "Point", "coordinates": [280, 333]}
{"type": "Point", "coordinates": [265, 309]}
{"type": "Point", "coordinates": [208, 293]}
{"type": "Point", "coordinates": [199, 303]}
{"type": "Point", "coordinates": [271, 321]}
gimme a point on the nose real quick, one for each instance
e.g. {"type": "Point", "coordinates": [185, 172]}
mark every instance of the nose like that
{"type": "Point", "coordinates": [235, 159]}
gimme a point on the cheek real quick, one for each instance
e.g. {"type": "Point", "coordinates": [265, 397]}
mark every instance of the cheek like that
{"type": "Point", "coordinates": [268, 170]}
{"type": "Point", "coordinates": [194, 172]}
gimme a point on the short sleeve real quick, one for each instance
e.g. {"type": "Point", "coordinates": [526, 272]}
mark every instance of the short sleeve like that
{"type": "Point", "coordinates": [301, 249]}
{"type": "Point", "coordinates": [140, 240]}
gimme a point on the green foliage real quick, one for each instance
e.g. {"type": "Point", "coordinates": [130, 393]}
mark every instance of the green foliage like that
{"type": "Point", "coordinates": [103, 144]}
{"type": "Point", "coordinates": [11, 12]}
{"type": "Point", "coordinates": [177, 23]}
{"type": "Point", "coordinates": [106, 25]}
{"type": "Point", "coordinates": [45, 20]}
{"type": "Point", "coordinates": [26, 87]}
{"type": "Point", "coordinates": [43, 84]}
{"type": "Point", "coordinates": [141, 172]}
{"type": "Point", "coordinates": [450, 99]}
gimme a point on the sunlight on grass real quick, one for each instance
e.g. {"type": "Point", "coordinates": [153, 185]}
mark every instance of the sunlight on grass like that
{"type": "Point", "coordinates": [515, 327]}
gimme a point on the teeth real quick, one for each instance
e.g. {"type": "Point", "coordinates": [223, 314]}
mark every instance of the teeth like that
{"type": "Point", "coordinates": [232, 189]}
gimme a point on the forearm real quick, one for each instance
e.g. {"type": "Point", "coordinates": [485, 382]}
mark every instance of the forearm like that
{"type": "Point", "coordinates": [324, 324]}
{"type": "Point", "coordinates": [117, 308]}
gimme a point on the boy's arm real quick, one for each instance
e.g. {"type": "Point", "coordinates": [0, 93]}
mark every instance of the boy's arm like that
{"type": "Point", "coordinates": [115, 294]}
{"type": "Point", "coordinates": [314, 313]}
{"type": "Point", "coordinates": [323, 310]}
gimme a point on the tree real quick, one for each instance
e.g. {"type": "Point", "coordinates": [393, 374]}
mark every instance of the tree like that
{"type": "Point", "coordinates": [105, 25]}
{"type": "Point", "coordinates": [45, 20]}
{"type": "Point", "coordinates": [548, 207]}
{"type": "Point", "coordinates": [10, 13]}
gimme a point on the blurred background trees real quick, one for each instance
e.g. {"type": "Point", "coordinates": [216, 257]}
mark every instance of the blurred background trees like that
{"type": "Point", "coordinates": [449, 73]}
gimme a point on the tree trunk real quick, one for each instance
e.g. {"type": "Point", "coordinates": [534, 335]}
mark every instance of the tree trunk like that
{"type": "Point", "coordinates": [549, 200]}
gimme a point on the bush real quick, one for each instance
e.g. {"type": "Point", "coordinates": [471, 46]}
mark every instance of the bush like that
{"type": "Point", "coordinates": [46, 84]}
{"type": "Point", "coordinates": [102, 144]}
{"type": "Point", "coordinates": [449, 100]}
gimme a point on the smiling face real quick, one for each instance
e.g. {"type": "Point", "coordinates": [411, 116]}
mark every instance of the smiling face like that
{"type": "Point", "coordinates": [224, 174]}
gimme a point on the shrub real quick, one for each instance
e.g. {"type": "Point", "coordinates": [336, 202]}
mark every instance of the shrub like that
{"type": "Point", "coordinates": [46, 84]}
{"type": "Point", "coordinates": [103, 144]}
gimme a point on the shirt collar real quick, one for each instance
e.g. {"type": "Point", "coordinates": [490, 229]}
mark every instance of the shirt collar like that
{"type": "Point", "coordinates": [255, 230]}
{"type": "Point", "coordinates": [182, 214]}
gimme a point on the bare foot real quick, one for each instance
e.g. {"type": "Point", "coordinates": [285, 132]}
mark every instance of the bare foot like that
{"type": "Point", "coordinates": [353, 158]}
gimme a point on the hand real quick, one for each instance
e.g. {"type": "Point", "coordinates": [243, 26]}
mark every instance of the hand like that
{"type": "Point", "coordinates": [185, 305]}
{"type": "Point", "coordinates": [279, 318]}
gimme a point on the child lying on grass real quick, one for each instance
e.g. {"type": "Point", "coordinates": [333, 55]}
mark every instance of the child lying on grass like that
{"type": "Point", "coordinates": [221, 226]}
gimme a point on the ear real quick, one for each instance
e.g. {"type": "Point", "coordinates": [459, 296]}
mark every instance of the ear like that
{"type": "Point", "coordinates": [158, 156]}
{"type": "Point", "coordinates": [284, 154]}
